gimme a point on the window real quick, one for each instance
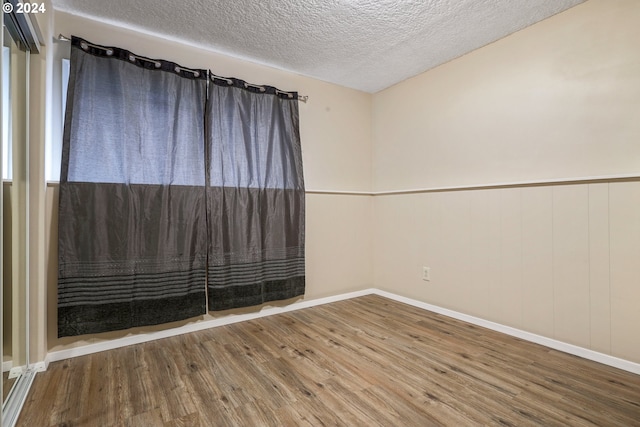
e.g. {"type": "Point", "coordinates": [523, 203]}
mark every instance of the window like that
{"type": "Point", "coordinates": [54, 143]}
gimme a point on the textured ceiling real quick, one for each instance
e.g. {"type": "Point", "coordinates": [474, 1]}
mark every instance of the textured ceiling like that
{"type": "Point", "coordinates": [363, 44]}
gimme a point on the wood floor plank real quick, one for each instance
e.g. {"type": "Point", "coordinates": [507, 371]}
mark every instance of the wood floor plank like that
{"type": "Point", "coordinates": [190, 420]}
{"type": "Point", "coordinates": [365, 361]}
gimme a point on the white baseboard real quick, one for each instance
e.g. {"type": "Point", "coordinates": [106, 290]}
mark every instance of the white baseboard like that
{"type": "Point", "coordinates": [7, 365]}
{"type": "Point", "coordinates": [193, 327]}
{"type": "Point", "coordinates": [269, 311]}
{"type": "Point", "coordinates": [585, 353]}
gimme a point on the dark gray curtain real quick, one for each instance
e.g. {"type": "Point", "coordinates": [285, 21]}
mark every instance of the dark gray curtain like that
{"type": "Point", "coordinates": [255, 196]}
{"type": "Point", "coordinates": [132, 214]}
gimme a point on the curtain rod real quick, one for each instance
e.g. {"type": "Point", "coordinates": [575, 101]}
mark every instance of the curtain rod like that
{"type": "Point", "coordinates": [303, 98]}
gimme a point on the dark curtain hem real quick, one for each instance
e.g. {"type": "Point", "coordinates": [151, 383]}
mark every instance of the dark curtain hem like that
{"type": "Point", "coordinates": [228, 297]}
{"type": "Point", "coordinates": [93, 319]}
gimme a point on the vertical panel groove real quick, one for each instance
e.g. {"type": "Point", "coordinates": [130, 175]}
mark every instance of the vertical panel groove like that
{"type": "Point", "coordinates": [609, 252]}
{"type": "Point", "coordinates": [590, 261]}
{"type": "Point", "coordinates": [521, 261]}
{"type": "Point", "coordinates": [553, 260]}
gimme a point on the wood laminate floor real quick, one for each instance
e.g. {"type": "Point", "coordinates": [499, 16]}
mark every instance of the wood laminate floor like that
{"type": "Point", "coordinates": [367, 361]}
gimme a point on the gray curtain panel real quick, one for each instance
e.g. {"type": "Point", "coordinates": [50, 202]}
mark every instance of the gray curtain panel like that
{"type": "Point", "coordinates": [255, 195]}
{"type": "Point", "coordinates": [133, 212]}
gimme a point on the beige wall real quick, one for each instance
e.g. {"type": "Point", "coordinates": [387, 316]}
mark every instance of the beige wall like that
{"type": "Point", "coordinates": [336, 140]}
{"type": "Point", "coordinates": [560, 99]}
{"type": "Point", "coordinates": [556, 100]}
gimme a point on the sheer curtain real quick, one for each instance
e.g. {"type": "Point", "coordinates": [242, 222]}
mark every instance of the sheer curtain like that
{"type": "Point", "coordinates": [132, 213]}
{"type": "Point", "coordinates": [255, 196]}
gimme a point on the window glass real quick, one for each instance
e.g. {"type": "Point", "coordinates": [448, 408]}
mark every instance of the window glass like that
{"type": "Point", "coordinates": [54, 144]}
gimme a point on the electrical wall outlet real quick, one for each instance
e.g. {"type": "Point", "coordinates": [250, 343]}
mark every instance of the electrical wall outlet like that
{"type": "Point", "coordinates": [426, 273]}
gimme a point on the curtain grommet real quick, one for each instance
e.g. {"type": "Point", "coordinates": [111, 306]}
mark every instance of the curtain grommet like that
{"type": "Point", "coordinates": [261, 89]}
{"type": "Point", "coordinates": [84, 46]}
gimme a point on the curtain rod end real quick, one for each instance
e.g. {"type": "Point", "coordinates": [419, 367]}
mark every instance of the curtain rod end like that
{"type": "Point", "coordinates": [63, 38]}
{"type": "Point", "coordinates": [303, 98]}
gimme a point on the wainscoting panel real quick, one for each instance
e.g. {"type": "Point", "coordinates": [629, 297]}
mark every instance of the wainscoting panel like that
{"type": "Point", "coordinates": [600, 304]}
{"type": "Point", "coordinates": [510, 280]}
{"type": "Point", "coordinates": [485, 252]}
{"type": "Point", "coordinates": [537, 260]}
{"type": "Point", "coordinates": [624, 208]}
{"type": "Point", "coordinates": [571, 264]}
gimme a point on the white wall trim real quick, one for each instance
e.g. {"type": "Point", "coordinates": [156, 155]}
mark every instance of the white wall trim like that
{"type": "Point", "coordinates": [7, 365]}
{"type": "Point", "coordinates": [495, 185]}
{"type": "Point", "coordinates": [269, 311]}
{"type": "Point", "coordinates": [585, 353]}
{"type": "Point", "coordinates": [516, 184]}
{"type": "Point", "coordinates": [192, 327]}
{"type": "Point", "coordinates": [340, 192]}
